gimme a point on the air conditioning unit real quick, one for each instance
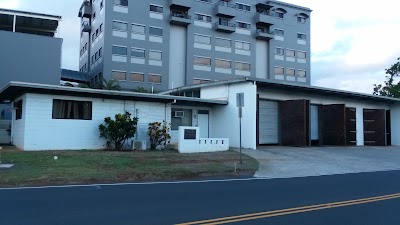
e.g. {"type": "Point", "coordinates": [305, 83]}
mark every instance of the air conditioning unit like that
{"type": "Point", "coordinates": [179, 114]}
{"type": "Point", "coordinates": [139, 145]}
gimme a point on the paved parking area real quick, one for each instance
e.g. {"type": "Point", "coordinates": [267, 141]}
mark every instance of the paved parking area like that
{"type": "Point", "coordinates": [285, 162]}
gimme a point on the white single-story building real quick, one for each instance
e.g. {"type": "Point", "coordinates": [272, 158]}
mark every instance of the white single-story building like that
{"type": "Point", "coordinates": [49, 117]}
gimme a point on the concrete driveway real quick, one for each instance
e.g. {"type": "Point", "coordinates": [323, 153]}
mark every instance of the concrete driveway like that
{"type": "Point", "coordinates": [285, 162]}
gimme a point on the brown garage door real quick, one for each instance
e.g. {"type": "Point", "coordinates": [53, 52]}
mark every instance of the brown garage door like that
{"type": "Point", "coordinates": [334, 124]}
{"type": "Point", "coordinates": [351, 130]}
{"type": "Point", "coordinates": [375, 127]}
{"type": "Point", "coordinates": [294, 119]}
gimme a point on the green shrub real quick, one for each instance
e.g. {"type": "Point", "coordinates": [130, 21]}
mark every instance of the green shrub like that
{"type": "Point", "coordinates": [158, 134]}
{"type": "Point", "coordinates": [117, 131]}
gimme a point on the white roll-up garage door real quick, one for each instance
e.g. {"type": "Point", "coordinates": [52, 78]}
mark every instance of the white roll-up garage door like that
{"type": "Point", "coordinates": [268, 122]}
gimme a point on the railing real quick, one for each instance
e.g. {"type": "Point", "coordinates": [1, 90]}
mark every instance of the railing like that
{"type": "Point", "coordinates": [181, 15]}
{"type": "Point", "coordinates": [259, 31]}
{"type": "Point", "coordinates": [226, 4]}
{"type": "Point", "coordinates": [268, 13]}
{"type": "Point", "coordinates": [224, 23]}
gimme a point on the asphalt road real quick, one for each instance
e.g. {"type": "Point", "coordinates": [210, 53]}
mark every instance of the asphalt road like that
{"type": "Point", "coordinates": [176, 203]}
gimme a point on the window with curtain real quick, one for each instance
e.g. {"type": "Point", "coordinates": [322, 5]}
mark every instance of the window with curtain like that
{"type": "Point", "coordinates": [74, 110]}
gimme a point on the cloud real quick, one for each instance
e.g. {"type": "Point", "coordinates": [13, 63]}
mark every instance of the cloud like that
{"type": "Point", "coordinates": [9, 4]}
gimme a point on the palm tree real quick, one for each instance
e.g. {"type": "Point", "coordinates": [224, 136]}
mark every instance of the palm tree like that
{"type": "Point", "coordinates": [112, 85]}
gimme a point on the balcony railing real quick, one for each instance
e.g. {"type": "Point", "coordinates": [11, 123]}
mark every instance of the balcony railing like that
{"type": "Point", "coordinates": [226, 4]}
{"type": "Point", "coordinates": [181, 15]}
{"type": "Point", "coordinates": [224, 23]}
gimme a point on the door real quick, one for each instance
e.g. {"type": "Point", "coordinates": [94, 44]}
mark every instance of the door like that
{"type": "Point", "coordinates": [5, 132]}
{"type": "Point", "coordinates": [351, 128]}
{"type": "Point", "coordinates": [203, 123]}
{"type": "Point", "coordinates": [334, 124]}
{"type": "Point", "coordinates": [294, 117]}
{"type": "Point", "coordinates": [375, 127]}
{"type": "Point", "coordinates": [268, 125]}
{"type": "Point", "coordinates": [314, 123]}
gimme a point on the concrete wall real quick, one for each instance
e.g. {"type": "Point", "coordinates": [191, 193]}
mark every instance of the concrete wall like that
{"type": "Point", "coordinates": [29, 58]}
{"type": "Point", "coordinates": [38, 131]}
{"type": "Point", "coordinates": [395, 124]}
{"type": "Point", "coordinates": [225, 120]}
{"type": "Point", "coordinates": [326, 100]}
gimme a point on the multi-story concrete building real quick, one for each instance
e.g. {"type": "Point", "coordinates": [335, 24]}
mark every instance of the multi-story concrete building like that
{"type": "Point", "coordinates": [164, 44]}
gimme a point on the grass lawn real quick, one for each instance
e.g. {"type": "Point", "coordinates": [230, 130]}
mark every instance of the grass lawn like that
{"type": "Point", "coordinates": [81, 167]}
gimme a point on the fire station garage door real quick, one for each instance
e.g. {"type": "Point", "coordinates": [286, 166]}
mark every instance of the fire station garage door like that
{"type": "Point", "coordinates": [375, 127]}
{"type": "Point", "coordinates": [268, 122]}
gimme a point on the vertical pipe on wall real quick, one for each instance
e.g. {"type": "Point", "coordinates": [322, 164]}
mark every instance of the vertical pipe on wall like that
{"type": "Point", "coordinates": [14, 22]}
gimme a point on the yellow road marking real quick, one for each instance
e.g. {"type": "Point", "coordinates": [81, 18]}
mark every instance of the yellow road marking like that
{"type": "Point", "coordinates": [288, 211]}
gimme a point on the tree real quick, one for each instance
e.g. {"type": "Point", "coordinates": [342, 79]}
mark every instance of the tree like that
{"type": "Point", "coordinates": [119, 130]}
{"type": "Point", "coordinates": [141, 90]}
{"type": "Point", "coordinates": [83, 85]}
{"type": "Point", "coordinates": [390, 87]}
{"type": "Point", "coordinates": [112, 85]}
{"type": "Point", "coordinates": [158, 134]}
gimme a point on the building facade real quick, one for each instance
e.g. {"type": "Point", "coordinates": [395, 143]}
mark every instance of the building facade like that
{"type": "Point", "coordinates": [164, 44]}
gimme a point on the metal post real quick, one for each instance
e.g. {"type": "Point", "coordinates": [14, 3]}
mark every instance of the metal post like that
{"type": "Point", "coordinates": [14, 22]}
{"type": "Point", "coordinates": [240, 138]}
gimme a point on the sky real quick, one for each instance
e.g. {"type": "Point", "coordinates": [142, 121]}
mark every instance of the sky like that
{"type": "Point", "coordinates": [352, 41]}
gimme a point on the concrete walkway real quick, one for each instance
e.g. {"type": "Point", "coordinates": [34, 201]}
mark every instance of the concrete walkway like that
{"type": "Point", "coordinates": [286, 162]}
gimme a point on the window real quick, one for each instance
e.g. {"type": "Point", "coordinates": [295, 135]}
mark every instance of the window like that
{"type": "Point", "coordinates": [301, 73]}
{"type": "Point", "coordinates": [290, 53]}
{"type": "Point", "coordinates": [290, 72]}
{"type": "Point", "coordinates": [200, 81]}
{"type": "Point", "coordinates": [201, 39]}
{"type": "Point", "coordinates": [101, 5]}
{"type": "Point", "coordinates": [242, 45]}
{"type": "Point", "coordinates": [93, 37]}
{"type": "Point", "coordinates": [301, 19]}
{"type": "Point", "coordinates": [118, 75]}
{"type": "Point", "coordinates": [100, 52]}
{"type": "Point", "coordinates": [138, 29]}
{"type": "Point", "coordinates": [201, 17]}
{"type": "Point", "coordinates": [279, 71]}
{"type": "Point", "coordinates": [155, 55]}
{"type": "Point", "coordinates": [280, 13]}
{"type": "Point", "coordinates": [221, 63]}
{"type": "Point", "coordinates": [185, 120]}
{"type": "Point", "coordinates": [222, 42]}
{"type": "Point", "coordinates": [73, 110]}
{"type": "Point", "coordinates": [244, 7]}
{"type": "Point", "coordinates": [94, 15]}
{"type": "Point", "coordinates": [155, 31]}
{"type": "Point", "coordinates": [202, 61]}
{"type": "Point", "coordinates": [121, 2]}
{"type": "Point", "coordinates": [137, 52]}
{"type": "Point", "coordinates": [121, 26]}
{"type": "Point", "coordinates": [301, 36]}
{"type": "Point", "coordinates": [242, 66]}
{"type": "Point", "coordinates": [243, 25]}
{"type": "Point", "coordinates": [154, 78]}
{"type": "Point", "coordinates": [138, 77]}
{"type": "Point", "coordinates": [18, 110]}
{"type": "Point", "coordinates": [301, 55]}
{"type": "Point", "coordinates": [156, 9]}
{"type": "Point", "coordinates": [93, 58]}
{"type": "Point", "coordinates": [279, 32]}
{"type": "Point", "coordinates": [279, 51]}
{"type": "Point", "coordinates": [101, 28]}
{"type": "Point", "coordinates": [119, 50]}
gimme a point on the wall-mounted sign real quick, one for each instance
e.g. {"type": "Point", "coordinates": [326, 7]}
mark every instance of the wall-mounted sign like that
{"type": "Point", "coordinates": [190, 134]}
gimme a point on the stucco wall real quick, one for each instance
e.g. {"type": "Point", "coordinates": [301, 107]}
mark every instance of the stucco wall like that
{"type": "Point", "coordinates": [395, 124]}
{"type": "Point", "coordinates": [29, 58]}
{"type": "Point", "coordinates": [225, 120]}
{"type": "Point", "coordinates": [38, 131]}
